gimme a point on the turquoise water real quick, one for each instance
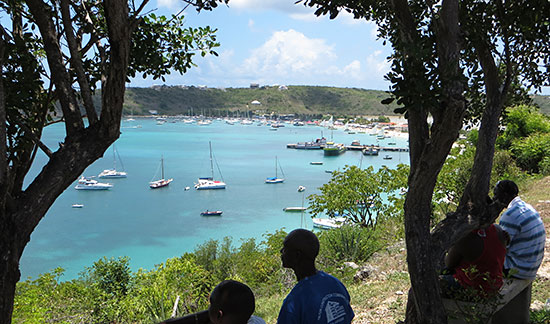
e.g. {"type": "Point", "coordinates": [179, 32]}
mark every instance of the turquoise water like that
{"type": "Point", "coordinates": [150, 226]}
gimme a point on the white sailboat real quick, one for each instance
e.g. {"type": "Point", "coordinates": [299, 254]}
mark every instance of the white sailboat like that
{"type": "Point", "coordinates": [276, 178]}
{"type": "Point", "coordinates": [161, 182]}
{"type": "Point", "coordinates": [209, 182]}
{"type": "Point", "coordinates": [113, 173]}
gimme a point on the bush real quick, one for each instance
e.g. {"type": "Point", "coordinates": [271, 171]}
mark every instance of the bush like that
{"type": "Point", "coordinates": [530, 151]}
{"type": "Point", "coordinates": [348, 243]}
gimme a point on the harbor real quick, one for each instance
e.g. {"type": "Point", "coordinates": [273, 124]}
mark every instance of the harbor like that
{"type": "Point", "coordinates": [150, 226]}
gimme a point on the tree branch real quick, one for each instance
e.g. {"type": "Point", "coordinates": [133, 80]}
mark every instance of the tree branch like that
{"type": "Point", "coordinates": [76, 63]}
{"type": "Point", "coordinates": [60, 76]}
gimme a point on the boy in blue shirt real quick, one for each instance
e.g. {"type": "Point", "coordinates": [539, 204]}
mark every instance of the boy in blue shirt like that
{"type": "Point", "coordinates": [317, 297]}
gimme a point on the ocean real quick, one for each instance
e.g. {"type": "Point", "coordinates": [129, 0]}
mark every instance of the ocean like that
{"type": "Point", "coordinates": [150, 226]}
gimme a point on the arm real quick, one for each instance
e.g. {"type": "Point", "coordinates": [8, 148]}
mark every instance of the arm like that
{"type": "Point", "coordinates": [195, 318]}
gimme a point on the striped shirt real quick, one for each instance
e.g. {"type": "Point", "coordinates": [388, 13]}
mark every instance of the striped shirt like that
{"type": "Point", "coordinates": [527, 237]}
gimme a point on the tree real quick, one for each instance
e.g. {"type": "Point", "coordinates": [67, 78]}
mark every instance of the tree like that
{"type": "Point", "coordinates": [361, 195]}
{"type": "Point", "coordinates": [451, 60]}
{"type": "Point", "coordinates": [85, 45]}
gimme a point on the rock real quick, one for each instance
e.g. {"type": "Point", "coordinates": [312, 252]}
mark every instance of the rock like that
{"type": "Point", "coordinates": [352, 265]}
{"type": "Point", "coordinates": [364, 272]}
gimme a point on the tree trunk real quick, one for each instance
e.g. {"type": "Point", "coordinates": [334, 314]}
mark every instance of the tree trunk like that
{"type": "Point", "coordinates": [21, 211]}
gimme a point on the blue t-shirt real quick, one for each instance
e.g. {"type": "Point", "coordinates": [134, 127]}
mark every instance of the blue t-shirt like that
{"type": "Point", "coordinates": [320, 298]}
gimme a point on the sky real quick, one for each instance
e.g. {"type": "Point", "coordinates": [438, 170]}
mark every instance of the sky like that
{"type": "Point", "coordinates": [278, 42]}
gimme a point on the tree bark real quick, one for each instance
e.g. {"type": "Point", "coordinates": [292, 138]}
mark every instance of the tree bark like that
{"type": "Point", "coordinates": [22, 212]}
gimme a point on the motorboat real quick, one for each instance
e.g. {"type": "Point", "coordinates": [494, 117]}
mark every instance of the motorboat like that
{"type": "Point", "coordinates": [294, 209]}
{"type": "Point", "coordinates": [316, 163]}
{"type": "Point", "coordinates": [211, 213]}
{"type": "Point", "coordinates": [329, 223]}
{"type": "Point", "coordinates": [91, 184]}
{"type": "Point", "coordinates": [77, 205]}
{"type": "Point", "coordinates": [371, 150]}
{"type": "Point", "coordinates": [301, 188]}
{"type": "Point", "coordinates": [387, 157]}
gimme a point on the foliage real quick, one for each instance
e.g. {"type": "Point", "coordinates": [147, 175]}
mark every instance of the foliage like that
{"type": "Point", "coordinates": [361, 195]}
{"type": "Point", "coordinates": [522, 121]}
{"type": "Point", "coordinates": [531, 151]}
{"type": "Point", "coordinates": [348, 243]}
{"type": "Point", "coordinates": [160, 35]}
{"type": "Point", "coordinates": [300, 100]}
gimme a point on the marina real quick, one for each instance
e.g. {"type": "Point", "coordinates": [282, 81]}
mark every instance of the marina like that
{"type": "Point", "coordinates": [150, 226]}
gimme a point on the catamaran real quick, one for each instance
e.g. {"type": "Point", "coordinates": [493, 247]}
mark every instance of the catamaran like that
{"type": "Point", "coordinates": [160, 182]}
{"type": "Point", "coordinates": [276, 178]}
{"type": "Point", "coordinates": [113, 173]}
{"type": "Point", "coordinates": [206, 183]}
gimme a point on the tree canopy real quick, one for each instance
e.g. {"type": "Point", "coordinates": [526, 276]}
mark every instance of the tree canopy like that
{"type": "Point", "coordinates": [452, 60]}
{"type": "Point", "coordinates": [56, 54]}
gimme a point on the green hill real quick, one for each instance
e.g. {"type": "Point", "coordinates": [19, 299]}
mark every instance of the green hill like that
{"type": "Point", "coordinates": [302, 100]}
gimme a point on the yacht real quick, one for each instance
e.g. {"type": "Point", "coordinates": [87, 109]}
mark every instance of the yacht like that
{"type": "Point", "coordinates": [91, 184]}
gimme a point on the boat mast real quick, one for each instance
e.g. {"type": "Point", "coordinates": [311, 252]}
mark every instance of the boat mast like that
{"type": "Point", "coordinates": [276, 177]}
{"type": "Point", "coordinates": [162, 166]}
{"type": "Point", "coordinates": [211, 163]}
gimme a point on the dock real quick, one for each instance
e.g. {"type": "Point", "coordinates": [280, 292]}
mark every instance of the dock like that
{"type": "Point", "coordinates": [361, 147]}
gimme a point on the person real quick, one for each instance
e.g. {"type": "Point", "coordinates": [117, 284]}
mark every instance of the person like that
{"type": "Point", "coordinates": [525, 250]}
{"type": "Point", "coordinates": [475, 264]}
{"type": "Point", "coordinates": [317, 297]}
{"type": "Point", "coordinates": [526, 230]}
{"type": "Point", "coordinates": [231, 302]}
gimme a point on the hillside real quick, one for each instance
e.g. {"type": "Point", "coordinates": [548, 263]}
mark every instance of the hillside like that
{"type": "Point", "coordinates": [303, 100]}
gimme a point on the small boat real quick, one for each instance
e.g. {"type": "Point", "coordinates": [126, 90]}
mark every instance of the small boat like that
{"type": "Point", "coordinates": [187, 188]}
{"type": "Point", "coordinates": [328, 223]}
{"type": "Point", "coordinates": [387, 157]}
{"type": "Point", "coordinates": [301, 188]}
{"type": "Point", "coordinates": [328, 171]}
{"type": "Point", "coordinates": [77, 205]}
{"type": "Point", "coordinates": [371, 150]}
{"type": "Point", "coordinates": [91, 184]}
{"type": "Point", "coordinates": [206, 183]}
{"type": "Point", "coordinates": [276, 178]}
{"type": "Point", "coordinates": [161, 182]}
{"type": "Point", "coordinates": [294, 209]}
{"type": "Point", "coordinates": [113, 173]}
{"type": "Point", "coordinates": [392, 143]}
{"type": "Point", "coordinates": [211, 213]}
{"type": "Point", "coordinates": [316, 163]}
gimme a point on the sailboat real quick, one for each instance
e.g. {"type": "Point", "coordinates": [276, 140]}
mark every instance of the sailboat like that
{"type": "Point", "coordinates": [209, 182]}
{"type": "Point", "coordinates": [161, 182]}
{"type": "Point", "coordinates": [276, 178]}
{"type": "Point", "coordinates": [113, 173]}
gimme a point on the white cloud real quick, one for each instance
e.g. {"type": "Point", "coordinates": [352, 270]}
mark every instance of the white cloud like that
{"type": "Point", "coordinates": [289, 52]}
{"type": "Point", "coordinates": [170, 4]}
{"type": "Point", "coordinates": [250, 23]}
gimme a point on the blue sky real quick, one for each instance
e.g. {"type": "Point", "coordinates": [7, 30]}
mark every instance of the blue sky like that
{"type": "Point", "coordinates": [278, 42]}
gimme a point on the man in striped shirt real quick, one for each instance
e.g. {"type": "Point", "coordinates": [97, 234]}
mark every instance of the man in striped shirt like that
{"type": "Point", "coordinates": [527, 235]}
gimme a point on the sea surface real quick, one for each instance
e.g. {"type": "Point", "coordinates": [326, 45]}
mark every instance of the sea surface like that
{"type": "Point", "coordinates": [150, 226]}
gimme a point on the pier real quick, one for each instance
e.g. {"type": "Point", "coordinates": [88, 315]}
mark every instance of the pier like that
{"type": "Point", "coordinates": [361, 147]}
